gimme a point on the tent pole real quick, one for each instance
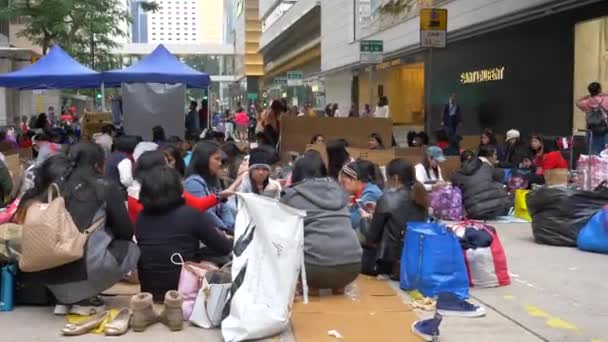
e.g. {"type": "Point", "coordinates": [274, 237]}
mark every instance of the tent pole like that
{"type": "Point", "coordinates": [208, 107]}
{"type": "Point", "coordinates": [103, 96]}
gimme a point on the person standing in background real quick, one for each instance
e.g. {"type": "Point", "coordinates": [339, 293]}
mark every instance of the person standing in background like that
{"type": "Point", "coordinates": [192, 122]}
{"type": "Point", "coordinates": [596, 101]}
{"type": "Point", "coordinates": [203, 113]}
{"type": "Point", "coordinates": [329, 110]}
{"type": "Point", "coordinates": [452, 117]}
{"type": "Point", "coordinates": [367, 111]}
{"type": "Point", "coordinates": [50, 115]}
{"type": "Point", "coordinates": [382, 111]}
{"type": "Point", "coordinates": [336, 110]}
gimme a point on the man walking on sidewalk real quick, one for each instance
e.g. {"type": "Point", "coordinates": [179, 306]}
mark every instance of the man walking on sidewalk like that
{"type": "Point", "coordinates": [451, 116]}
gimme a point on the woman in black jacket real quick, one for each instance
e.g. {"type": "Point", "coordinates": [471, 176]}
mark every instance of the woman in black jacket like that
{"type": "Point", "coordinates": [164, 207]}
{"type": "Point", "coordinates": [483, 196]}
{"type": "Point", "coordinates": [87, 194]}
{"type": "Point", "coordinates": [405, 200]}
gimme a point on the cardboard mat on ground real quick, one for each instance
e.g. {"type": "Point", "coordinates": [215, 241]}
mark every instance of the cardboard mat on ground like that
{"type": "Point", "coordinates": [372, 312]}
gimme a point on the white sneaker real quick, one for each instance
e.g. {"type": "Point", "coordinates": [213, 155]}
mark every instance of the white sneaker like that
{"type": "Point", "coordinates": [61, 310]}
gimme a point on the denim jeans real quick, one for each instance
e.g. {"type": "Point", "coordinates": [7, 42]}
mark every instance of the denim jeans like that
{"type": "Point", "coordinates": [598, 143]}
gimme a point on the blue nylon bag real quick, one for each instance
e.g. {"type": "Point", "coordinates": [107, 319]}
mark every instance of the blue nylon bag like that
{"type": "Point", "coordinates": [432, 261]}
{"type": "Point", "coordinates": [594, 235]}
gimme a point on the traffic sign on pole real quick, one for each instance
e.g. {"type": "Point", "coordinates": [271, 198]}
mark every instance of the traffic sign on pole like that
{"type": "Point", "coordinates": [371, 51]}
{"type": "Point", "coordinates": [433, 27]}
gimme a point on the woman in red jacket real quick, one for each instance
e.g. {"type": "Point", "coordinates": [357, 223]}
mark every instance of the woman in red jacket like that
{"type": "Point", "coordinates": [546, 155]}
{"type": "Point", "coordinates": [151, 159]}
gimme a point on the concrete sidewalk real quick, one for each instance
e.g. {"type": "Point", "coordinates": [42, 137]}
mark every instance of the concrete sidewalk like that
{"type": "Point", "coordinates": [557, 294]}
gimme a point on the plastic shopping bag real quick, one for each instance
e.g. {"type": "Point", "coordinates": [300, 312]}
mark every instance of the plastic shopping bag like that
{"type": "Point", "coordinates": [432, 261]}
{"type": "Point", "coordinates": [486, 266]}
{"type": "Point", "coordinates": [268, 257]}
{"type": "Point", "coordinates": [521, 206]}
{"type": "Point", "coordinates": [594, 236]}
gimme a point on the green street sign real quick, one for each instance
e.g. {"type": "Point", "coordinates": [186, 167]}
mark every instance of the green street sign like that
{"type": "Point", "coordinates": [295, 78]}
{"type": "Point", "coordinates": [370, 51]}
{"type": "Point", "coordinates": [252, 96]}
{"type": "Point", "coordinates": [371, 46]}
{"type": "Point", "coordinates": [280, 81]}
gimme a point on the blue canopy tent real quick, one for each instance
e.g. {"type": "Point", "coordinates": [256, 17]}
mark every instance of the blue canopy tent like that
{"type": "Point", "coordinates": [150, 91]}
{"type": "Point", "coordinates": [56, 70]}
{"type": "Point", "coordinates": [158, 67]}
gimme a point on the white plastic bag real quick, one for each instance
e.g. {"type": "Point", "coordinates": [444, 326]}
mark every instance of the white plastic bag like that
{"type": "Point", "coordinates": [268, 257]}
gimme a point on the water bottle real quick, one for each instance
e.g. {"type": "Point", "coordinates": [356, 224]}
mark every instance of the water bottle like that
{"type": "Point", "coordinates": [7, 287]}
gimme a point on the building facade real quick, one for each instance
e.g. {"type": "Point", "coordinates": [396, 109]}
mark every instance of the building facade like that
{"type": "Point", "coordinates": [243, 33]}
{"type": "Point", "coordinates": [185, 21]}
{"type": "Point", "coordinates": [291, 45]}
{"type": "Point", "coordinates": [139, 26]}
{"type": "Point", "coordinates": [513, 64]}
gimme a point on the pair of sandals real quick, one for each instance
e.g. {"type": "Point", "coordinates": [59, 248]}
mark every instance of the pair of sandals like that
{"type": "Point", "coordinates": [116, 327]}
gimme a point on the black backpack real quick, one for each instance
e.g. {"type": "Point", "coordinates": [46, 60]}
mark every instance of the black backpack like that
{"type": "Point", "coordinates": [596, 120]}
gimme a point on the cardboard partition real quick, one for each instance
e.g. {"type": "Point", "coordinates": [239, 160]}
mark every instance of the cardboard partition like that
{"type": "Point", "coordinates": [378, 157]}
{"type": "Point", "coordinates": [470, 142]}
{"type": "Point", "coordinates": [556, 177]}
{"type": "Point", "coordinates": [92, 122]}
{"type": "Point", "coordinates": [296, 132]}
{"type": "Point", "coordinates": [409, 151]}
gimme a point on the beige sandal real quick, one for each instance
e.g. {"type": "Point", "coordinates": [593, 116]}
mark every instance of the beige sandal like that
{"type": "Point", "coordinates": [84, 326]}
{"type": "Point", "coordinates": [120, 324]}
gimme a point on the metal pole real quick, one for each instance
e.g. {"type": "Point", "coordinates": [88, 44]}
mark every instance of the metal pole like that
{"type": "Point", "coordinates": [103, 96]}
{"type": "Point", "coordinates": [370, 86]}
{"type": "Point", "coordinates": [208, 106]}
{"type": "Point", "coordinates": [429, 102]}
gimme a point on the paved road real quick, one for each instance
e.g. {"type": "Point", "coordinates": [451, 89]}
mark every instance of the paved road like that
{"type": "Point", "coordinates": [558, 294]}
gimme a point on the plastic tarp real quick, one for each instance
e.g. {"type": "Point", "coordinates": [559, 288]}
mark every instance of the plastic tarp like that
{"type": "Point", "coordinates": [146, 105]}
{"type": "Point", "coordinates": [56, 70]}
{"type": "Point", "coordinates": [158, 67]}
{"type": "Point", "coordinates": [558, 214]}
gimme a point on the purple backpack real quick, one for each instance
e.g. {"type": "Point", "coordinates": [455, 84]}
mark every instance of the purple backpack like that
{"type": "Point", "coordinates": [447, 203]}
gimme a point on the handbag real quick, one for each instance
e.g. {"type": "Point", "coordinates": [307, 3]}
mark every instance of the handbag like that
{"type": "Point", "coordinates": [447, 203]}
{"type": "Point", "coordinates": [190, 281]}
{"type": "Point", "coordinates": [432, 261]}
{"type": "Point", "coordinates": [50, 237]}
{"type": "Point", "coordinates": [10, 241]}
{"type": "Point", "coordinates": [210, 303]}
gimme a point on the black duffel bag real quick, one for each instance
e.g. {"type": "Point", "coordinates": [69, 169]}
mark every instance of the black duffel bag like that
{"type": "Point", "coordinates": [558, 214]}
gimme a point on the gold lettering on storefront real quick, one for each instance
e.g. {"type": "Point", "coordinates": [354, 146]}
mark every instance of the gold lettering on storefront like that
{"type": "Point", "coordinates": [485, 75]}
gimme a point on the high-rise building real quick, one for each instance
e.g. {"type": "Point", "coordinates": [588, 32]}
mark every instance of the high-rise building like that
{"type": "Point", "coordinates": [139, 26]}
{"type": "Point", "coordinates": [186, 22]}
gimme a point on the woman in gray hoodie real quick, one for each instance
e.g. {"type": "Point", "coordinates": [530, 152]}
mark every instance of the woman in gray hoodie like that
{"type": "Point", "coordinates": [332, 252]}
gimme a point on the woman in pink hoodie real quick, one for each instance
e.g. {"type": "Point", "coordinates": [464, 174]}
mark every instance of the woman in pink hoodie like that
{"type": "Point", "coordinates": [241, 119]}
{"type": "Point", "coordinates": [596, 100]}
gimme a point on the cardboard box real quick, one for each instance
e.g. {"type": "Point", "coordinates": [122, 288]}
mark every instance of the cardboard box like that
{"type": "Point", "coordinates": [373, 312]}
{"type": "Point", "coordinates": [296, 132]}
